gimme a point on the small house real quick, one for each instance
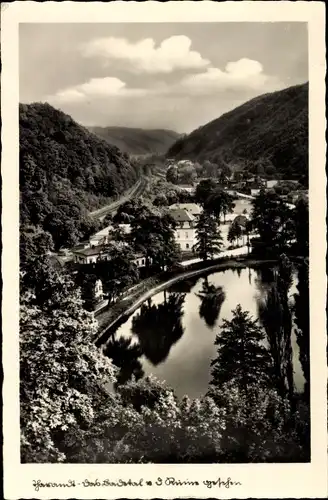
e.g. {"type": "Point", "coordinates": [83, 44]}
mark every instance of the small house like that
{"type": "Point", "coordinates": [88, 255]}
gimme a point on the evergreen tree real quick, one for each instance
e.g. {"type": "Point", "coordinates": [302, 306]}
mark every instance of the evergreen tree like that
{"type": "Point", "coordinates": [275, 316]}
{"type": "Point", "coordinates": [301, 218]}
{"type": "Point", "coordinates": [302, 320]}
{"type": "Point", "coordinates": [208, 236]}
{"type": "Point", "coordinates": [241, 358]}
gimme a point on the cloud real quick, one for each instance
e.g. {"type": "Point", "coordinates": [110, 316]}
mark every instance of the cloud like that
{"type": "Point", "coordinates": [96, 88]}
{"type": "Point", "coordinates": [244, 74]}
{"type": "Point", "coordinates": [143, 56]}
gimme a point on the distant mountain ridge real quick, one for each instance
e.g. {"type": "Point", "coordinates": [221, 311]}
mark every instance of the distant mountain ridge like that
{"type": "Point", "coordinates": [137, 140]}
{"type": "Point", "coordinates": [272, 126]}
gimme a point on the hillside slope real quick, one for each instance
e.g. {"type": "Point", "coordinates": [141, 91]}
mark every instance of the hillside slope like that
{"type": "Point", "coordinates": [65, 170]}
{"type": "Point", "coordinates": [272, 127]}
{"type": "Point", "coordinates": [136, 140]}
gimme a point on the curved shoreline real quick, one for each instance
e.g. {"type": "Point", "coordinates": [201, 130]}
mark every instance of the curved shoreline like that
{"type": "Point", "coordinates": [104, 335]}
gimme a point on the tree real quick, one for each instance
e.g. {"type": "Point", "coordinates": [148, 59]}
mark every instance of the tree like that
{"type": "Point", "coordinates": [119, 272]}
{"type": "Point", "coordinates": [275, 315]}
{"type": "Point", "coordinates": [187, 174]}
{"type": "Point", "coordinates": [203, 190]}
{"type": "Point", "coordinates": [208, 237]}
{"type": "Point", "coordinates": [219, 202]}
{"type": "Point", "coordinates": [241, 357]}
{"type": "Point", "coordinates": [209, 169]}
{"type": "Point", "coordinates": [160, 200]}
{"type": "Point", "coordinates": [158, 327]}
{"type": "Point", "coordinates": [212, 298]}
{"type": "Point", "coordinates": [153, 235]}
{"type": "Point", "coordinates": [125, 355]}
{"type": "Point", "coordinates": [260, 425]}
{"type": "Point", "coordinates": [235, 232]}
{"type": "Point", "coordinates": [61, 371]}
{"type": "Point", "coordinates": [271, 219]}
{"type": "Point", "coordinates": [301, 218]}
{"type": "Point", "coordinates": [88, 295]}
{"type": "Point", "coordinates": [302, 320]}
{"type": "Point", "coordinates": [172, 174]}
{"type": "Point", "coordinates": [33, 244]}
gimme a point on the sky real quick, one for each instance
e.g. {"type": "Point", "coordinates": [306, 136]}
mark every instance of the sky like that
{"type": "Point", "coordinates": [177, 76]}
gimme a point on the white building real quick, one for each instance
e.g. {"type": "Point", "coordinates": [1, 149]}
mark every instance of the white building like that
{"type": "Point", "coordinates": [185, 233]}
{"type": "Point", "coordinates": [94, 254]}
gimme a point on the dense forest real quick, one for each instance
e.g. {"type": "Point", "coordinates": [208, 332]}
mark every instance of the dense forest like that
{"type": "Point", "coordinates": [65, 171]}
{"type": "Point", "coordinates": [272, 127]}
{"type": "Point", "coordinates": [137, 140]}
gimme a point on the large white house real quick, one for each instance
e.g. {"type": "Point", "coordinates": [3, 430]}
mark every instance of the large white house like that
{"type": "Point", "coordinates": [185, 233]}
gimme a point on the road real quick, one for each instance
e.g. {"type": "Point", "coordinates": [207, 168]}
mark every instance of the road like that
{"type": "Point", "coordinates": [133, 192]}
{"type": "Point", "coordinates": [249, 197]}
{"type": "Point", "coordinates": [236, 252]}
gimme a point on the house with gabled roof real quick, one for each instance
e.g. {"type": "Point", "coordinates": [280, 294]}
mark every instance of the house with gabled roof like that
{"type": "Point", "coordinates": [185, 232]}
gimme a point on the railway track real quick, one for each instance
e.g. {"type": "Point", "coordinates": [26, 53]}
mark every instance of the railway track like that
{"type": "Point", "coordinates": [134, 192]}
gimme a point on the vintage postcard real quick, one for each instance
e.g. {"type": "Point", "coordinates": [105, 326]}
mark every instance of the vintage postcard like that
{"type": "Point", "coordinates": [164, 243]}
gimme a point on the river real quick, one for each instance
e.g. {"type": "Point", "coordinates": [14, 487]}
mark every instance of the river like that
{"type": "Point", "coordinates": [176, 328]}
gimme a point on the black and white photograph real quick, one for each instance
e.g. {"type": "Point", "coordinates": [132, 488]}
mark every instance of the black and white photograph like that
{"type": "Point", "coordinates": [164, 244]}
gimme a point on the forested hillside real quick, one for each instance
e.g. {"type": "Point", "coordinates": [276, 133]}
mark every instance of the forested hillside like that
{"type": "Point", "coordinates": [272, 127]}
{"type": "Point", "coordinates": [65, 170]}
{"type": "Point", "coordinates": [137, 140]}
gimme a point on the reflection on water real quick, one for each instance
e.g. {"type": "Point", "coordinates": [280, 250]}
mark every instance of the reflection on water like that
{"type": "Point", "coordinates": [212, 298]}
{"type": "Point", "coordinates": [159, 326]}
{"type": "Point", "coordinates": [174, 332]}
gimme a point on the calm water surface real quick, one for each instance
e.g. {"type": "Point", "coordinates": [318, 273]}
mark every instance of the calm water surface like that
{"type": "Point", "coordinates": [176, 329]}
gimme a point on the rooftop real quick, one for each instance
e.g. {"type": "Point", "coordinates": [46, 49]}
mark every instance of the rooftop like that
{"type": "Point", "coordinates": [190, 207]}
{"type": "Point", "coordinates": [102, 233]}
{"type": "Point", "coordinates": [87, 252]}
{"type": "Point", "coordinates": [181, 215]}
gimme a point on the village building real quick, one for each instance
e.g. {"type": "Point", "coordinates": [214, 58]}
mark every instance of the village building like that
{"type": "Point", "coordinates": [103, 236]}
{"type": "Point", "coordinates": [88, 255]}
{"type": "Point", "coordinates": [271, 183]}
{"type": "Point", "coordinates": [94, 254]}
{"type": "Point", "coordinates": [185, 232]}
{"type": "Point", "coordinates": [192, 208]}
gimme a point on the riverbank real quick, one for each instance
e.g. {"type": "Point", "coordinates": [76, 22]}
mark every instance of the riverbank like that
{"type": "Point", "coordinates": [117, 313]}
